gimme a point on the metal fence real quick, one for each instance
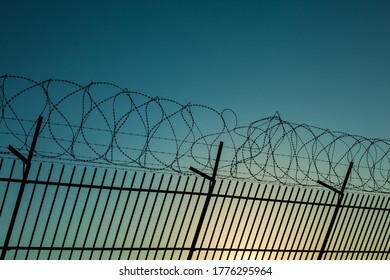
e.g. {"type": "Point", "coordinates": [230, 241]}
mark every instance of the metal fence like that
{"type": "Point", "coordinates": [59, 211]}
{"type": "Point", "coordinates": [76, 212]}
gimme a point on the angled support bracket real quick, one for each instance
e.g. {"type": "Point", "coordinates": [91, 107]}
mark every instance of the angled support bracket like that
{"type": "Point", "coordinates": [27, 165]}
{"type": "Point", "coordinates": [339, 202]}
{"type": "Point", "coordinates": [19, 155]}
{"type": "Point", "coordinates": [208, 198]}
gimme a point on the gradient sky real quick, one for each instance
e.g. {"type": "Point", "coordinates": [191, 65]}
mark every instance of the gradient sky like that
{"type": "Point", "coordinates": [325, 63]}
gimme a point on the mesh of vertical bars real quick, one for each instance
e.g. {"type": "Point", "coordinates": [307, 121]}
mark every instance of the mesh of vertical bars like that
{"type": "Point", "coordinates": [70, 212]}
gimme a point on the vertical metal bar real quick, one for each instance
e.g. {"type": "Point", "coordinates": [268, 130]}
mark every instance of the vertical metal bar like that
{"type": "Point", "coordinates": [7, 187]}
{"type": "Point", "coordinates": [63, 210]}
{"type": "Point", "coordinates": [371, 224]}
{"type": "Point", "coordinates": [385, 257]}
{"type": "Point", "coordinates": [82, 215]}
{"type": "Point", "coordinates": [167, 218]}
{"type": "Point", "coordinates": [262, 218]}
{"type": "Point", "coordinates": [385, 236]}
{"type": "Point", "coordinates": [26, 172]}
{"type": "Point", "coordinates": [334, 233]}
{"type": "Point", "coordinates": [370, 236]}
{"type": "Point", "coordinates": [309, 240]}
{"type": "Point", "coordinates": [381, 213]}
{"type": "Point", "coordinates": [254, 222]}
{"type": "Point", "coordinates": [52, 207]}
{"type": "Point", "coordinates": [359, 239]}
{"type": "Point", "coordinates": [232, 222]}
{"type": "Point", "coordinates": [137, 231]}
{"type": "Point", "coordinates": [132, 214]}
{"type": "Point", "coordinates": [40, 207]}
{"type": "Point", "coordinates": [305, 225]}
{"type": "Point", "coordinates": [113, 214]}
{"type": "Point", "coordinates": [93, 215]}
{"type": "Point", "coordinates": [294, 219]}
{"type": "Point", "coordinates": [359, 214]}
{"type": "Point", "coordinates": [186, 212]}
{"type": "Point", "coordinates": [319, 220]}
{"type": "Point", "coordinates": [150, 217]}
{"type": "Point", "coordinates": [267, 223]}
{"type": "Point", "coordinates": [73, 211]}
{"type": "Point", "coordinates": [240, 221]}
{"type": "Point", "coordinates": [207, 247]}
{"type": "Point", "coordinates": [246, 221]}
{"type": "Point", "coordinates": [225, 222]}
{"type": "Point", "coordinates": [123, 215]}
{"type": "Point", "coordinates": [104, 212]}
{"type": "Point", "coordinates": [159, 217]}
{"type": "Point", "coordinates": [341, 234]}
{"type": "Point", "coordinates": [273, 234]}
{"type": "Point", "coordinates": [339, 202]}
{"type": "Point", "coordinates": [27, 213]}
{"type": "Point", "coordinates": [167, 215]}
{"type": "Point", "coordinates": [352, 222]}
{"type": "Point", "coordinates": [220, 211]}
{"type": "Point", "coordinates": [96, 233]}
{"type": "Point", "coordinates": [285, 226]}
{"type": "Point", "coordinates": [206, 204]}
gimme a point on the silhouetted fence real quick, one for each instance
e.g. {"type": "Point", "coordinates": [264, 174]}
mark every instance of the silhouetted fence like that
{"type": "Point", "coordinates": [70, 212]}
{"type": "Point", "coordinates": [65, 211]}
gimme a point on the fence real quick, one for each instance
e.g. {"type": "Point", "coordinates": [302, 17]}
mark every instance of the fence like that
{"type": "Point", "coordinates": [69, 212]}
{"type": "Point", "coordinates": [64, 211]}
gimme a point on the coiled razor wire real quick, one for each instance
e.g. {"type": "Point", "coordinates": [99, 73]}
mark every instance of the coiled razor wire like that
{"type": "Point", "coordinates": [104, 123]}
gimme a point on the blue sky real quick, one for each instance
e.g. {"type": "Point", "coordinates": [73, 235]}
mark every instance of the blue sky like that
{"type": "Point", "coordinates": [321, 62]}
{"type": "Point", "coordinates": [325, 63]}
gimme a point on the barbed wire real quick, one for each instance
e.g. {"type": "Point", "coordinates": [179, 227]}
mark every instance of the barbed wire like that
{"type": "Point", "coordinates": [104, 123]}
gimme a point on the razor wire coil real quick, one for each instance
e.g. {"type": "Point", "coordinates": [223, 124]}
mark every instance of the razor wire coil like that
{"type": "Point", "coordinates": [102, 122]}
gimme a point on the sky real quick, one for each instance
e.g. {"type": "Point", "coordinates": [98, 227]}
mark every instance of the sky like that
{"type": "Point", "coordinates": [324, 63]}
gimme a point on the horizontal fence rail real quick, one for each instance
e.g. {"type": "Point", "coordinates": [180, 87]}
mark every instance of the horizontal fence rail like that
{"type": "Point", "coordinates": [75, 212]}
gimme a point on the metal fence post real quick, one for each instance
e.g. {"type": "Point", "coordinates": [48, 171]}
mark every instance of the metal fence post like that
{"type": "Point", "coordinates": [208, 198]}
{"type": "Point", "coordinates": [339, 202]}
{"type": "Point", "coordinates": [26, 166]}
